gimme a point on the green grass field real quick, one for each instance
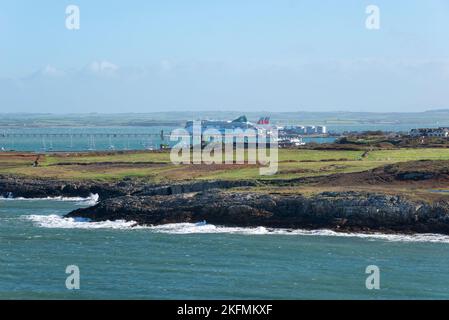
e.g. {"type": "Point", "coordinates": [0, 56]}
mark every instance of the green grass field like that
{"type": "Point", "coordinates": [157, 167]}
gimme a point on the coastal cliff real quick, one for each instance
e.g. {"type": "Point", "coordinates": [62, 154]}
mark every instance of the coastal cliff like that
{"type": "Point", "coordinates": [347, 211]}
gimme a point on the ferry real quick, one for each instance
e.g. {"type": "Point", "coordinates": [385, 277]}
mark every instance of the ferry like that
{"type": "Point", "coordinates": [222, 125]}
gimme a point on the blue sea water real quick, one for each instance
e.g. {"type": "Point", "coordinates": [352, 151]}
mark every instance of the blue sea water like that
{"type": "Point", "coordinates": [188, 261]}
{"type": "Point", "coordinates": [89, 141]}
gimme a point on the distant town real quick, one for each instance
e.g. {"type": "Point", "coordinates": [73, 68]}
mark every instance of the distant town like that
{"type": "Point", "coordinates": [430, 132]}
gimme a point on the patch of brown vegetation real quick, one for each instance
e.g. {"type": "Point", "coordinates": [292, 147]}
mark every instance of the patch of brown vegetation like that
{"type": "Point", "coordinates": [416, 179]}
{"type": "Point", "coordinates": [14, 156]}
{"type": "Point", "coordinates": [72, 155]}
{"type": "Point", "coordinates": [111, 164]}
{"type": "Point", "coordinates": [12, 160]}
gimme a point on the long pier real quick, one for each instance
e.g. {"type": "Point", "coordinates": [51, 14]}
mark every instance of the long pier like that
{"type": "Point", "coordinates": [161, 135]}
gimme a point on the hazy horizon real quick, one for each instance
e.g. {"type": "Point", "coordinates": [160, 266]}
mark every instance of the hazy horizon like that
{"type": "Point", "coordinates": [261, 112]}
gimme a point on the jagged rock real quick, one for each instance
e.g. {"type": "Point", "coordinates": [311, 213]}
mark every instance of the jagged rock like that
{"type": "Point", "coordinates": [351, 211]}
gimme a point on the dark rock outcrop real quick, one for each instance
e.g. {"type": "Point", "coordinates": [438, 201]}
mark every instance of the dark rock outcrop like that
{"type": "Point", "coordinates": [43, 188]}
{"type": "Point", "coordinates": [199, 186]}
{"type": "Point", "coordinates": [346, 211]}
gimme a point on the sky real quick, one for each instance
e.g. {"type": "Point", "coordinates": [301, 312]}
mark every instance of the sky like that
{"type": "Point", "coordinates": [244, 55]}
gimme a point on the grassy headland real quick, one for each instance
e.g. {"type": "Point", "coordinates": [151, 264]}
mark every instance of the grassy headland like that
{"type": "Point", "coordinates": [310, 171]}
{"type": "Point", "coordinates": [156, 166]}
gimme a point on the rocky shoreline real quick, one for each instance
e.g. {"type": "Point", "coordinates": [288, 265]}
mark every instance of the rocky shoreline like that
{"type": "Point", "coordinates": [218, 203]}
{"type": "Point", "coordinates": [346, 211]}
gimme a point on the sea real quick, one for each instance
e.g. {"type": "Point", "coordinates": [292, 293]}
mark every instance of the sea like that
{"type": "Point", "coordinates": [74, 139]}
{"type": "Point", "coordinates": [117, 260]}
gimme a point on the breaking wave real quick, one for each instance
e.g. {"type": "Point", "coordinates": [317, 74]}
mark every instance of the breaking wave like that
{"type": "Point", "coordinates": [58, 222]}
{"type": "Point", "coordinates": [55, 221]}
{"type": "Point", "coordinates": [189, 228]}
{"type": "Point", "coordinates": [91, 200]}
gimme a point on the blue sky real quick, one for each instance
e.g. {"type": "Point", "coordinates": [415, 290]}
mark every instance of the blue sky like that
{"type": "Point", "coordinates": [277, 55]}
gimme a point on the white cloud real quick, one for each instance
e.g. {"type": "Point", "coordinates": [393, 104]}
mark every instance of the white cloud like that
{"type": "Point", "coordinates": [51, 71]}
{"type": "Point", "coordinates": [103, 68]}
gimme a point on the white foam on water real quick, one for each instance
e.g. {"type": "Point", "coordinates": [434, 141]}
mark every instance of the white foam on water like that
{"type": "Point", "coordinates": [423, 237]}
{"type": "Point", "coordinates": [91, 200]}
{"type": "Point", "coordinates": [189, 228]}
{"type": "Point", "coordinates": [58, 222]}
{"type": "Point", "coordinates": [55, 221]}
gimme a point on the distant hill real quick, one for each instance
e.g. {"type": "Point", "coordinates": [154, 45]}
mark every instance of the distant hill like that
{"type": "Point", "coordinates": [430, 117]}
